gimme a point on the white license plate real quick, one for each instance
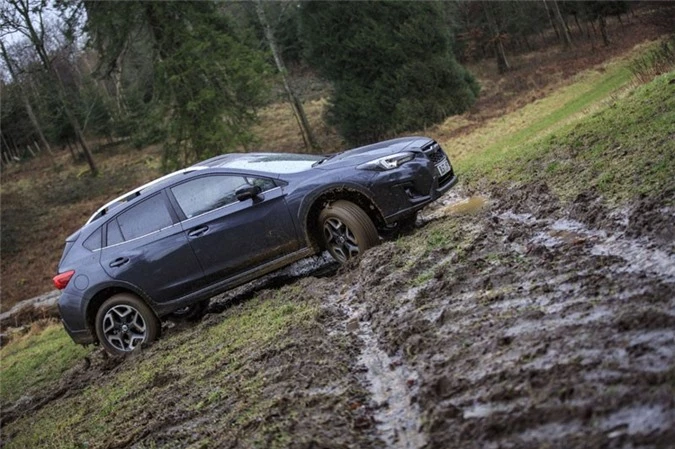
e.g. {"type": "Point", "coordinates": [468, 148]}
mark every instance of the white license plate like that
{"type": "Point", "coordinates": [443, 167]}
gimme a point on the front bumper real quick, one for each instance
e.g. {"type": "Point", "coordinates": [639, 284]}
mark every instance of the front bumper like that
{"type": "Point", "coordinates": [407, 189]}
{"type": "Point", "coordinates": [420, 202]}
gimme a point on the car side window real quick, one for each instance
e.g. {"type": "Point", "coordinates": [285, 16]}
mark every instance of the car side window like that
{"type": "Point", "coordinates": [207, 193]}
{"type": "Point", "coordinates": [114, 233]}
{"type": "Point", "coordinates": [143, 218]}
{"type": "Point", "coordinates": [93, 242]}
{"type": "Point", "coordinates": [265, 184]}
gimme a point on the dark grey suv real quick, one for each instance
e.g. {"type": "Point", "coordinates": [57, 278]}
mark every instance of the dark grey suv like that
{"type": "Point", "coordinates": [165, 248]}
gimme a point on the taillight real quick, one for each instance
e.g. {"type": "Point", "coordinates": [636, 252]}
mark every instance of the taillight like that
{"type": "Point", "coordinates": [61, 280]}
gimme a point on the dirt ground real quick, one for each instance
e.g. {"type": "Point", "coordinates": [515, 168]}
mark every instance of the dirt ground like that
{"type": "Point", "coordinates": [522, 323]}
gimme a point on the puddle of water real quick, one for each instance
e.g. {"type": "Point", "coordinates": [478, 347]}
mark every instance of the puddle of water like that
{"type": "Point", "coordinates": [480, 410]}
{"type": "Point", "coordinates": [466, 206]}
{"type": "Point", "coordinates": [521, 218]}
{"type": "Point", "coordinates": [639, 258]}
{"type": "Point", "coordinates": [551, 432]}
{"type": "Point", "coordinates": [640, 255]}
{"type": "Point", "coordinates": [391, 383]}
{"type": "Point", "coordinates": [452, 205]}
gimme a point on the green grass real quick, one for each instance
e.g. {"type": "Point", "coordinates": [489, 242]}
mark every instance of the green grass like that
{"type": "Point", "coordinates": [622, 151]}
{"type": "Point", "coordinates": [206, 365]}
{"type": "Point", "coordinates": [36, 360]}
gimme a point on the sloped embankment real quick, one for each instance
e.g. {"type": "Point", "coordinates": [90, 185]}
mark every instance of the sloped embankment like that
{"type": "Point", "coordinates": [513, 319]}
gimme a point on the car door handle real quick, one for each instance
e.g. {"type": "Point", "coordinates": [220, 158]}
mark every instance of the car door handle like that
{"type": "Point", "coordinates": [198, 231]}
{"type": "Point", "coordinates": [119, 262]}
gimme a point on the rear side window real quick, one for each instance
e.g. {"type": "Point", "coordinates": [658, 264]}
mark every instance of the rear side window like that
{"type": "Point", "coordinates": [93, 241]}
{"type": "Point", "coordinates": [201, 195]}
{"type": "Point", "coordinates": [149, 216]}
{"type": "Point", "coordinates": [114, 233]}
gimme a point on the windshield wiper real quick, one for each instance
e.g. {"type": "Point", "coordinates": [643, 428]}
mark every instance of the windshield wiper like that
{"type": "Point", "coordinates": [325, 159]}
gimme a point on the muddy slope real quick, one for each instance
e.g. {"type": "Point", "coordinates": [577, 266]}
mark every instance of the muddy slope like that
{"type": "Point", "coordinates": [539, 325]}
{"type": "Point", "coordinates": [507, 320]}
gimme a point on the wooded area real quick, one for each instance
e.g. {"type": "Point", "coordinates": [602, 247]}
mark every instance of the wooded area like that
{"type": "Point", "coordinates": [192, 75]}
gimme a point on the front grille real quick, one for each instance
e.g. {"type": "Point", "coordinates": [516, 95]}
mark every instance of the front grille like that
{"type": "Point", "coordinates": [434, 152]}
{"type": "Point", "coordinates": [436, 155]}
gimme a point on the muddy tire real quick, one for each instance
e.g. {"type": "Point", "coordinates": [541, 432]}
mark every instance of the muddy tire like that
{"type": "Point", "coordinates": [191, 313]}
{"type": "Point", "coordinates": [124, 322]}
{"type": "Point", "coordinates": [346, 230]}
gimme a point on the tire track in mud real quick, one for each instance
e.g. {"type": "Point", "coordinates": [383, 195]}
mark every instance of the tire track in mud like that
{"type": "Point", "coordinates": [391, 383]}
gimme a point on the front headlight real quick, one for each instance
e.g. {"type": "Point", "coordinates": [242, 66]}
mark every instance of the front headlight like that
{"type": "Point", "coordinates": [388, 162]}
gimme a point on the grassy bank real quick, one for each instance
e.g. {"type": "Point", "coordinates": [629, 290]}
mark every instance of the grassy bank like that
{"type": "Point", "coordinates": [623, 150]}
{"type": "Point", "coordinates": [196, 372]}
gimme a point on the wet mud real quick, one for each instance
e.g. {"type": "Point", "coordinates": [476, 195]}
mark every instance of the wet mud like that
{"type": "Point", "coordinates": [506, 319]}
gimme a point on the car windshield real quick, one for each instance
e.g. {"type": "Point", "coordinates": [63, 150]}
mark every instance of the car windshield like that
{"type": "Point", "coordinates": [274, 163]}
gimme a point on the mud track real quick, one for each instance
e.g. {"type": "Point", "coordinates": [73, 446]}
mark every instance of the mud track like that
{"type": "Point", "coordinates": [503, 320]}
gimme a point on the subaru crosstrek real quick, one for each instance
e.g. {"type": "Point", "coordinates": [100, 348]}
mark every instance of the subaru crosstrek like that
{"type": "Point", "coordinates": [168, 246]}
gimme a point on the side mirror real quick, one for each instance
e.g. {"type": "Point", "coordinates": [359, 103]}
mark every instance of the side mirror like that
{"type": "Point", "coordinates": [247, 191]}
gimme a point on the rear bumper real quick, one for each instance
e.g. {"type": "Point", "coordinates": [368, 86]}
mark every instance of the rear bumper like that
{"type": "Point", "coordinates": [83, 337]}
{"type": "Point", "coordinates": [73, 318]}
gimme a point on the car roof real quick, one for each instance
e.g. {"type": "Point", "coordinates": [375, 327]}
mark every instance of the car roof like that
{"type": "Point", "coordinates": [150, 187]}
{"type": "Point", "coordinates": [271, 163]}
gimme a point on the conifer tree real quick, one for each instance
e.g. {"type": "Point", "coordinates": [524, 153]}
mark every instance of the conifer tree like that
{"type": "Point", "coordinates": [391, 64]}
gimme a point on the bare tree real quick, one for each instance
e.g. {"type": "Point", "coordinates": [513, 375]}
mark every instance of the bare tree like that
{"type": "Point", "coordinates": [567, 40]}
{"type": "Point", "coordinates": [26, 17]}
{"type": "Point", "coordinates": [496, 38]}
{"type": "Point", "coordinates": [24, 97]}
{"type": "Point", "coordinates": [296, 105]}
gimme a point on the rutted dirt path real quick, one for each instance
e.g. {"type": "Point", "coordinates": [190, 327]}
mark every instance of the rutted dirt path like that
{"type": "Point", "coordinates": [505, 320]}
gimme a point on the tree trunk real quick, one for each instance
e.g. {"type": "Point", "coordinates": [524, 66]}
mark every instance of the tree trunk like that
{"type": "Point", "coordinates": [502, 63]}
{"type": "Point", "coordinates": [298, 110]}
{"type": "Point", "coordinates": [37, 39]}
{"type": "Point", "coordinates": [550, 20]}
{"type": "Point", "coordinates": [566, 39]}
{"type": "Point", "coordinates": [576, 19]}
{"type": "Point", "coordinates": [24, 98]}
{"type": "Point", "coordinates": [603, 30]}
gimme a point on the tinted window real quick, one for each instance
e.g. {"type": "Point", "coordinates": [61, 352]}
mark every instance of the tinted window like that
{"type": "Point", "coordinates": [149, 216]}
{"type": "Point", "coordinates": [93, 241]}
{"type": "Point", "coordinates": [114, 233]}
{"type": "Point", "coordinates": [204, 194]}
{"type": "Point", "coordinates": [263, 183]}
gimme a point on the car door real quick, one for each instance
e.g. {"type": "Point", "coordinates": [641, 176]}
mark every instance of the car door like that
{"type": "Point", "coordinates": [230, 236]}
{"type": "Point", "coordinates": [146, 247]}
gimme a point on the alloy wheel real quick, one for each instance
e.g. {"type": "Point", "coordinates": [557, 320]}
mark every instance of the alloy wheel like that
{"type": "Point", "coordinates": [340, 239]}
{"type": "Point", "coordinates": [124, 327]}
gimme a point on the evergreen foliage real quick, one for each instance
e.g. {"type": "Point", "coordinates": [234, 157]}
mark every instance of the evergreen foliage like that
{"type": "Point", "coordinates": [391, 64]}
{"type": "Point", "coordinates": [207, 80]}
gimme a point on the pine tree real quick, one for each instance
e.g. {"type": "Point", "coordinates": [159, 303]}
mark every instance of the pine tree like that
{"type": "Point", "coordinates": [391, 65]}
{"type": "Point", "coordinates": [207, 80]}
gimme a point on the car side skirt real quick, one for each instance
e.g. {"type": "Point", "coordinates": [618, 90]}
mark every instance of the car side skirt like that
{"type": "Point", "coordinates": [232, 282]}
